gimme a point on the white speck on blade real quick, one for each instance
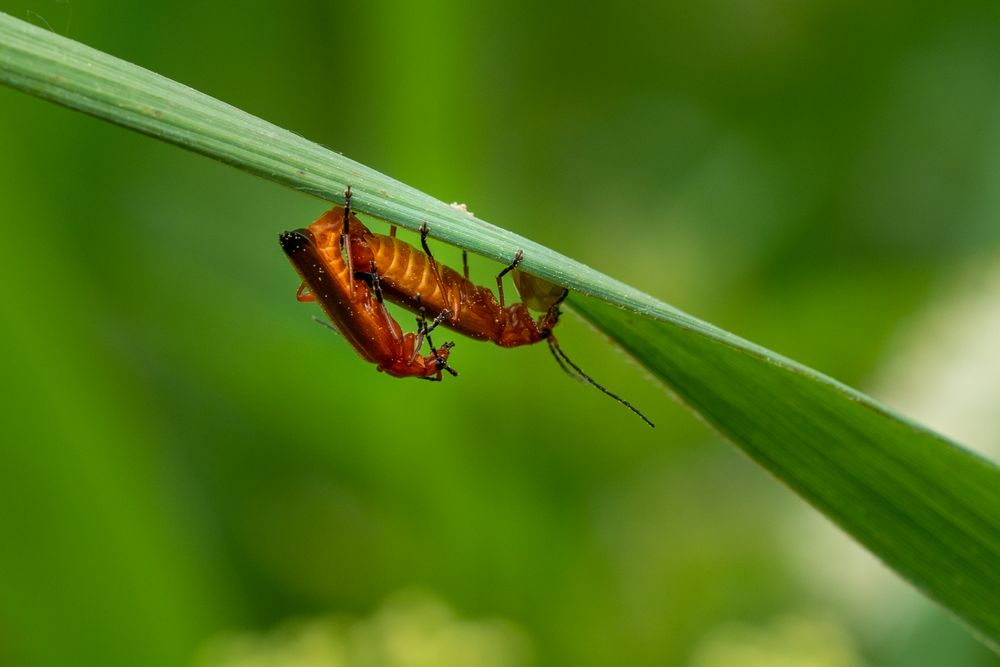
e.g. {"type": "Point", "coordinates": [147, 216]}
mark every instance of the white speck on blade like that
{"type": "Point", "coordinates": [461, 207]}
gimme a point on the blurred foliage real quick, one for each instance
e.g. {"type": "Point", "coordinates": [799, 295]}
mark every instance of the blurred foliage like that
{"type": "Point", "coordinates": [188, 456]}
{"type": "Point", "coordinates": [412, 629]}
{"type": "Point", "coordinates": [784, 642]}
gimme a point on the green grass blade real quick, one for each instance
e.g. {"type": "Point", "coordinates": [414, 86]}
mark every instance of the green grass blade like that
{"type": "Point", "coordinates": [928, 508]}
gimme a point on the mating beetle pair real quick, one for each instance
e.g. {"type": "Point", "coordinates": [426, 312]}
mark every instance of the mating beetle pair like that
{"type": "Point", "coordinates": [350, 271]}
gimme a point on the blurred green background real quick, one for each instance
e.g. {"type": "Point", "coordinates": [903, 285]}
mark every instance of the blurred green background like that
{"type": "Point", "coordinates": [193, 473]}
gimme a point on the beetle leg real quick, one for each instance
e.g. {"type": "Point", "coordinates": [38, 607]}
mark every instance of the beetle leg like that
{"type": "Point", "coordinates": [424, 231]}
{"type": "Point", "coordinates": [424, 330]}
{"type": "Point", "coordinates": [345, 238]}
{"type": "Point", "coordinates": [443, 363]}
{"type": "Point", "coordinates": [421, 329]}
{"type": "Point", "coordinates": [551, 317]}
{"type": "Point", "coordinates": [304, 294]}
{"type": "Point", "coordinates": [441, 317]}
{"type": "Point", "coordinates": [518, 256]}
{"type": "Point", "coordinates": [371, 278]}
{"type": "Point", "coordinates": [376, 285]}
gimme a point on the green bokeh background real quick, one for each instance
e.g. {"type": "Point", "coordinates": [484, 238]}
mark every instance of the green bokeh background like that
{"type": "Point", "coordinates": [188, 458]}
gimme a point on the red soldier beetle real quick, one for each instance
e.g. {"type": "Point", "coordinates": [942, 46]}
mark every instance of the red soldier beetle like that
{"type": "Point", "coordinates": [404, 275]}
{"type": "Point", "coordinates": [355, 308]}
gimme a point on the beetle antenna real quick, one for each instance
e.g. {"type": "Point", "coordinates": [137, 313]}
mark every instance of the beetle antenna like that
{"type": "Point", "coordinates": [326, 324]}
{"type": "Point", "coordinates": [561, 357]}
{"type": "Point", "coordinates": [562, 364]}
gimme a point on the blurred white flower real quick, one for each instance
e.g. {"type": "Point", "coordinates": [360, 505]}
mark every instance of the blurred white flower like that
{"type": "Point", "coordinates": [412, 629]}
{"type": "Point", "coordinates": [945, 370]}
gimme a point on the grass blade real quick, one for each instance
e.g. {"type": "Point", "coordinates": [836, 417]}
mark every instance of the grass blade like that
{"type": "Point", "coordinates": [927, 507]}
